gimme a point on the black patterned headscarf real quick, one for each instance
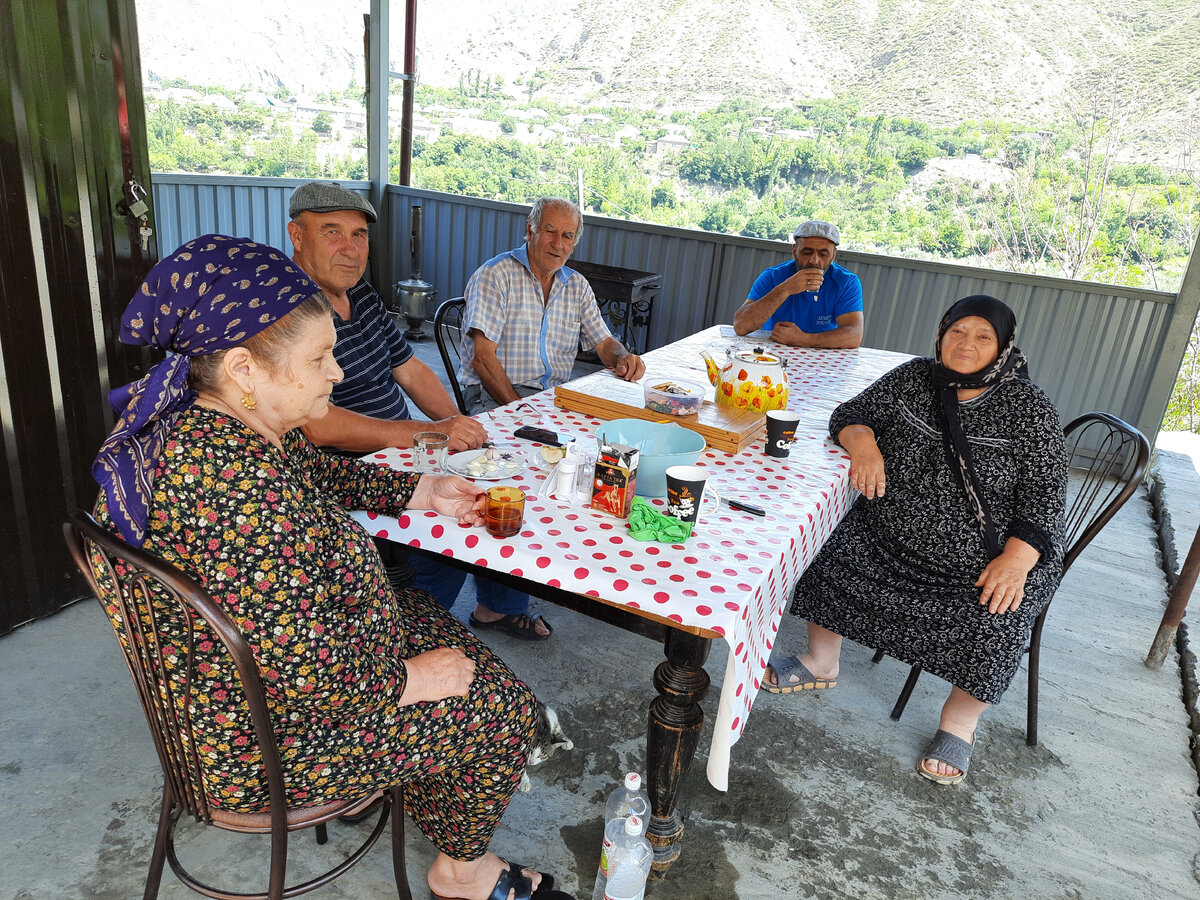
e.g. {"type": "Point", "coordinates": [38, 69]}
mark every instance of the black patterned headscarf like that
{"type": "Point", "coordinates": [1009, 365]}
{"type": "Point", "coordinates": [209, 295]}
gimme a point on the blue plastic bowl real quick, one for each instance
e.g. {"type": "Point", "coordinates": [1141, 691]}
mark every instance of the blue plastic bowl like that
{"type": "Point", "coordinates": [662, 444]}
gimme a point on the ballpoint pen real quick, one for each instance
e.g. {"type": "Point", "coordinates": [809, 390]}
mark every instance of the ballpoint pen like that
{"type": "Point", "coordinates": [744, 507]}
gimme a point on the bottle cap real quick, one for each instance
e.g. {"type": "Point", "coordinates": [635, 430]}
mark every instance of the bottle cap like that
{"type": "Point", "coordinates": [633, 825]}
{"type": "Point", "coordinates": [633, 782]}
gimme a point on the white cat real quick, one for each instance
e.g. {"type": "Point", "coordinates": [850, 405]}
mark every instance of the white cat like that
{"type": "Point", "coordinates": [548, 739]}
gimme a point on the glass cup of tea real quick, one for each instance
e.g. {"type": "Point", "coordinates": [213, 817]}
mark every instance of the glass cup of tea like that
{"type": "Point", "coordinates": [505, 511]}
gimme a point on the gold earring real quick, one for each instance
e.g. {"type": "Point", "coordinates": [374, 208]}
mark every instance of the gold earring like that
{"type": "Point", "coordinates": [248, 401]}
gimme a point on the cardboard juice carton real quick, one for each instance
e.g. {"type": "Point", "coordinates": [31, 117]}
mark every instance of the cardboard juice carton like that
{"type": "Point", "coordinates": [615, 480]}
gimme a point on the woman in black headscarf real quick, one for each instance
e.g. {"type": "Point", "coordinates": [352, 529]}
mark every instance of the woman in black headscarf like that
{"type": "Point", "coordinates": [956, 543]}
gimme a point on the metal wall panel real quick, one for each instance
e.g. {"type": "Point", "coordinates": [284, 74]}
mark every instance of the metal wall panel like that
{"type": "Point", "coordinates": [67, 266]}
{"type": "Point", "coordinates": [187, 206]}
{"type": "Point", "coordinates": [1091, 346]}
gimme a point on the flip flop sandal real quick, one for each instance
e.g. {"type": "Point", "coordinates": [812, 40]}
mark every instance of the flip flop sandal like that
{"type": "Point", "coordinates": [785, 669]}
{"type": "Point", "coordinates": [518, 625]}
{"type": "Point", "coordinates": [953, 751]}
{"type": "Point", "coordinates": [514, 879]}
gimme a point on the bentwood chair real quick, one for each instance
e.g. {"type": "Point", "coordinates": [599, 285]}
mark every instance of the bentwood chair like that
{"type": "Point", "coordinates": [447, 331]}
{"type": "Point", "coordinates": [164, 619]}
{"type": "Point", "coordinates": [1108, 459]}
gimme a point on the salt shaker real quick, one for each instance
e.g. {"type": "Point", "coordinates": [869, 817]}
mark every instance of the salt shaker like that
{"type": "Point", "coordinates": [564, 484]}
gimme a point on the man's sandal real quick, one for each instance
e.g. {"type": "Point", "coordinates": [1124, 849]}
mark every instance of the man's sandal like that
{"type": "Point", "coordinates": [951, 750]}
{"type": "Point", "coordinates": [514, 879]}
{"type": "Point", "coordinates": [806, 680]}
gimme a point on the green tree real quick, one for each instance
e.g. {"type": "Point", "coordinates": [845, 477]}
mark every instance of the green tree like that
{"type": "Point", "coordinates": [323, 123]}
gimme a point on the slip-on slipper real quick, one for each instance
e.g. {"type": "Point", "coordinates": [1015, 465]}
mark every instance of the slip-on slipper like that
{"type": "Point", "coordinates": [806, 680]}
{"type": "Point", "coordinates": [518, 625]}
{"type": "Point", "coordinates": [950, 749]}
{"type": "Point", "coordinates": [514, 879]}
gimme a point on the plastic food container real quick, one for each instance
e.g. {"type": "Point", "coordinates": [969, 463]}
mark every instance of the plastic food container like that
{"type": "Point", "coordinates": [673, 396]}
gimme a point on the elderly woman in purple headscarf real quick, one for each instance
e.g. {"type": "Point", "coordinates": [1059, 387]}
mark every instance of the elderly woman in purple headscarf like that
{"type": "Point", "coordinates": [208, 469]}
{"type": "Point", "coordinates": [955, 545]}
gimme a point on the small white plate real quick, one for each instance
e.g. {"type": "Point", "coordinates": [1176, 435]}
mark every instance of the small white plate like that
{"type": "Point", "coordinates": [511, 462]}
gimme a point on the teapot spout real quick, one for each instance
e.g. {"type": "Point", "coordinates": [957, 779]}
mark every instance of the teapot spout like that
{"type": "Point", "coordinates": [710, 364]}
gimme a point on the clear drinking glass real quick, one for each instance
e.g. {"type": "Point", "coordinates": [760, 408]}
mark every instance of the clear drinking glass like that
{"type": "Point", "coordinates": [429, 450]}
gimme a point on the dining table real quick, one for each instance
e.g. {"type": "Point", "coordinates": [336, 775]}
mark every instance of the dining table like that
{"type": "Point", "coordinates": [731, 580]}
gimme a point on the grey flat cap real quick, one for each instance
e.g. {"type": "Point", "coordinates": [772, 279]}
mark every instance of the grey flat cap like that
{"type": "Point", "coordinates": [817, 229]}
{"type": "Point", "coordinates": [322, 197]}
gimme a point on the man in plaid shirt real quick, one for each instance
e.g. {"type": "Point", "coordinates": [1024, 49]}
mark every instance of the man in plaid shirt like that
{"type": "Point", "coordinates": [527, 315]}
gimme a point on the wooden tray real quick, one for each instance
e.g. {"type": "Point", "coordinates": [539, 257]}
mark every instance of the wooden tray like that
{"type": "Point", "coordinates": [607, 397]}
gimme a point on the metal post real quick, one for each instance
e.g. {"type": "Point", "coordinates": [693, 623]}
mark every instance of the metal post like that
{"type": "Point", "coordinates": [410, 84]}
{"type": "Point", "coordinates": [1176, 606]}
{"type": "Point", "coordinates": [378, 84]}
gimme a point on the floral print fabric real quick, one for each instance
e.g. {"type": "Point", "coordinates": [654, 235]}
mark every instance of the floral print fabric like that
{"type": "Point", "coordinates": [266, 533]}
{"type": "Point", "coordinates": [898, 574]}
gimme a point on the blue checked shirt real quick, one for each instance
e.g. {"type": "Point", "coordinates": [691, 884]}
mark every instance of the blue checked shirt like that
{"type": "Point", "coordinates": [536, 343]}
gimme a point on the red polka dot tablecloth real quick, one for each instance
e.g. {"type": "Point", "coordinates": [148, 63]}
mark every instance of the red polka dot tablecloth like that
{"type": "Point", "coordinates": [735, 574]}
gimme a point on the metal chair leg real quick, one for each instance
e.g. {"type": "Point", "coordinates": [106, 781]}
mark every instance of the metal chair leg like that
{"type": "Point", "coordinates": [166, 821]}
{"type": "Point", "coordinates": [1035, 658]}
{"type": "Point", "coordinates": [902, 701]}
{"type": "Point", "coordinates": [398, 863]}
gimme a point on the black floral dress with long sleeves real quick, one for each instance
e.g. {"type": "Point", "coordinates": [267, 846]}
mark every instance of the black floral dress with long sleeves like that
{"type": "Point", "coordinates": [268, 536]}
{"type": "Point", "coordinates": [898, 574]}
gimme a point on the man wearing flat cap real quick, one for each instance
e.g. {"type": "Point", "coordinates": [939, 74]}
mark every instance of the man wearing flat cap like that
{"type": "Point", "coordinates": [328, 229]}
{"type": "Point", "coordinates": [369, 409]}
{"type": "Point", "coordinates": [808, 301]}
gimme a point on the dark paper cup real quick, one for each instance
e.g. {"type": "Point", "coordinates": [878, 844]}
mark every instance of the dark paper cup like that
{"type": "Point", "coordinates": [686, 491]}
{"type": "Point", "coordinates": [781, 431]}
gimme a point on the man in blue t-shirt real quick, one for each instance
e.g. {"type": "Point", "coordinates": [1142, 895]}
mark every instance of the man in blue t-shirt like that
{"type": "Point", "coordinates": [809, 301]}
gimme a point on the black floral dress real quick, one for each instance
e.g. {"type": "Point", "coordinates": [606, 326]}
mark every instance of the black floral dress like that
{"type": "Point", "coordinates": [266, 533]}
{"type": "Point", "coordinates": [898, 574]}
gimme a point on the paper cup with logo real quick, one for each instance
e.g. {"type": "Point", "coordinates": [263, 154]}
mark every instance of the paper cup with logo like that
{"type": "Point", "coordinates": [687, 489]}
{"type": "Point", "coordinates": [781, 432]}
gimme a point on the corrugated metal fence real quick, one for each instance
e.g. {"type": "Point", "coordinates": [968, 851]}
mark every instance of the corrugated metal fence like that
{"type": "Point", "coordinates": [1091, 346]}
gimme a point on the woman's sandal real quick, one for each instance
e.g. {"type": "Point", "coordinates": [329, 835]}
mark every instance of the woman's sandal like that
{"type": "Point", "coordinates": [786, 668]}
{"type": "Point", "coordinates": [518, 625]}
{"type": "Point", "coordinates": [951, 750]}
{"type": "Point", "coordinates": [514, 879]}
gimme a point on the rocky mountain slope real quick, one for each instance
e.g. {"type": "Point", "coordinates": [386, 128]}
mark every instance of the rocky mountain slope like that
{"type": "Point", "coordinates": [940, 61]}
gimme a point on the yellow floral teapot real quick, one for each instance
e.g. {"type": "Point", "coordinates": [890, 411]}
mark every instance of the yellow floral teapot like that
{"type": "Point", "coordinates": [750, 379]}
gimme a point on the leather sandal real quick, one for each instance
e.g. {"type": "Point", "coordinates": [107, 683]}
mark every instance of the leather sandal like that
{"type": "Point", "coordinates": [951, 750]}
{"type": "Point", "coordinates": [518, 625]}
{"type": "Point", "coordinates": [806, 680]}
{"type": "Point", "coordinates": [514, 879]}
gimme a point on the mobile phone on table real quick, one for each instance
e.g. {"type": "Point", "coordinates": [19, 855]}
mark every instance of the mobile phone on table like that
{"type": "Point", "coordinates": [541, 436]}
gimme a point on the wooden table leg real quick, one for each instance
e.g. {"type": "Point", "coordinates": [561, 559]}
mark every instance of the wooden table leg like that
{"type": "Point", "coordinates": [671, 738]}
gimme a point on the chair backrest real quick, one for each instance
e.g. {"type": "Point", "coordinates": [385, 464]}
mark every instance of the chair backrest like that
{"type": "Point", "coordinates": [1108, 458]}
{"type": "Point", "coordinates": [447, 331]}
{"type": "Point", "coordinates": [166, 623]}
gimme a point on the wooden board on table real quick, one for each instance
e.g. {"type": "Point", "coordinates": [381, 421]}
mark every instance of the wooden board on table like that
{"type": "Point", "coordinates": [606, 397]}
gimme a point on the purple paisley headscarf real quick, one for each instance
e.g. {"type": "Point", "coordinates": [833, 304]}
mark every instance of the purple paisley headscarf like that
{"type": "Point", "coordinates": [209, 295]}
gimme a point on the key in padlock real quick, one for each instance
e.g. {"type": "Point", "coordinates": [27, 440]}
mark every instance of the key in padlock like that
{"type": "Point", "coordinates": [146, 232]}
{"type": "Point", "coordinates": [134, 201]}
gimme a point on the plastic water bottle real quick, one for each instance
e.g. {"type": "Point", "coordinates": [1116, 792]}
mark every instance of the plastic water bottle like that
{"type": "Point", "coordinates": [629, 864]}
{"type": "Point", "coordinates": [630, 799]}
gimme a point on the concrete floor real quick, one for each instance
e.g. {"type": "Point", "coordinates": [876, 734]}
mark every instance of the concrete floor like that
{"type": "Point", "coordinates": [823, 799]}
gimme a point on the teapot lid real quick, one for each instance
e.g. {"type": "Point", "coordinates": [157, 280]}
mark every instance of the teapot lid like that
{"type": "Point", "coordinates": [757, 355]}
